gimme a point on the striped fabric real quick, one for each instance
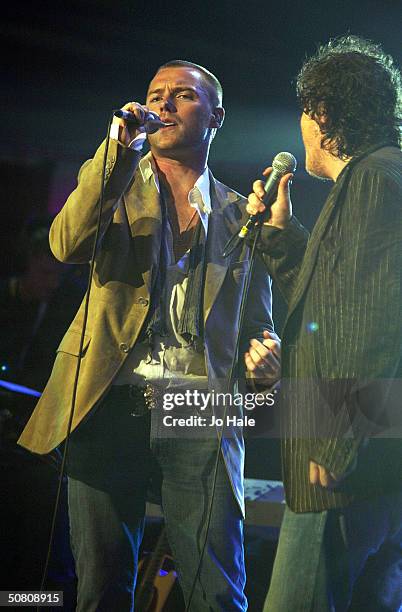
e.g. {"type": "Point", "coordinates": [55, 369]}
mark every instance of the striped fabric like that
{"type": "Point", "coordinates": [342, 339]}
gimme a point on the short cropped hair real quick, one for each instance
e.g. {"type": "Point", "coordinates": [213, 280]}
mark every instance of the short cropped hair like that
{"type": "Point", "coordinates": [358, 87]}
{"type": "Point", "coordinates": [211, 80]}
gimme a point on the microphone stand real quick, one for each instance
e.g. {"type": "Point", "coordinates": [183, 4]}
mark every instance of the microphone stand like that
{"type": "Point", "coordinates": [255, 222]}
{"type": "Point", "coordinates": [232, 377]}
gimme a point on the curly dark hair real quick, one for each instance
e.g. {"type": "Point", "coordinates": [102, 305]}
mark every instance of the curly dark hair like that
{"type": "Point", "coordinates": [358, 88]}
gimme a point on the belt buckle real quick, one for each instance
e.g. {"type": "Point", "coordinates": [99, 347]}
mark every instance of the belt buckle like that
{"type": "Point", "coordinates": [151, 395]}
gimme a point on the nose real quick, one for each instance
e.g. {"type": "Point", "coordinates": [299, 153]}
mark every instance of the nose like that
{"type": "Point", "coordinates": [167, 104]}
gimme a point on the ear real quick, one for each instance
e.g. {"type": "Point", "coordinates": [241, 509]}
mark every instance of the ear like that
{"type": "Point", "coordinates": [217, 117]}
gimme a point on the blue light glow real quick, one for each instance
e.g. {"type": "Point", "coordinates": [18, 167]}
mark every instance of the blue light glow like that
{"type": "Point", "coordinates": [19, 388]}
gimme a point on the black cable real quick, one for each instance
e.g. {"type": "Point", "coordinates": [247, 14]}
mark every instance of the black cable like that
{"type": "Point", "coordinates": [75, 386]}
{"type": "Point", "coordinates": [77, 370]}
{"type": "Point", "coordinates": [232, 376]}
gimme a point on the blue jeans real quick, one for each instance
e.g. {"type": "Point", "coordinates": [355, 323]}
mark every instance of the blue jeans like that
{"type": "Point", "coordinates": [187, 467]}
{"type": "Point", "coordinates": [321, 555]}
{"type": "Point", "coordinates": [107, 515]}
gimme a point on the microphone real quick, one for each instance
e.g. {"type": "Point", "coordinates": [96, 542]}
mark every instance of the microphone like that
{"type": "Point", "coordinates": [282, 164]}
{"type": "Point", "coordinates": [152, 122]}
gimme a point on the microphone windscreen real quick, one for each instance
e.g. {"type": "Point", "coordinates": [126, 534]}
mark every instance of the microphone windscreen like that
{"type": "Point", "coordinates": [284, 162]}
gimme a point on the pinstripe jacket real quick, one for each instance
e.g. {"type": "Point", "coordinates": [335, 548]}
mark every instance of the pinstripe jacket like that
{"type": "Point", "coordinates": [342, 338]}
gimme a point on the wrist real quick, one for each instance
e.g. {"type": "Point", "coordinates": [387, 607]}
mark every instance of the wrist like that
{"type": "Point", "coordinates": [280, 222]}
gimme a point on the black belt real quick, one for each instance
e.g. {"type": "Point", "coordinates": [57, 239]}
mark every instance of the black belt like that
{"type": "Point", "coordinates": [143, 399]}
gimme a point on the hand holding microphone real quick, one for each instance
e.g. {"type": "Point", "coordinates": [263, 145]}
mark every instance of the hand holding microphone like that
{"type": "Point", "coordinates": [273, 195]}
{"type": "Point", "coordinates": [134, 119]}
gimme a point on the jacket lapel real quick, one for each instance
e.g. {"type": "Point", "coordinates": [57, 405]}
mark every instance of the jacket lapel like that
{"type": "Point", "coordinates": [317, 235]}
{"type": "Point", "coordinates": [220, 228]}
{"type": "Point", "coordinates": [143, 207]}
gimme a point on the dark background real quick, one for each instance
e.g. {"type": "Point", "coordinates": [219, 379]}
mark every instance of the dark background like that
{"type": "Point", "coordinates": [69, 63]}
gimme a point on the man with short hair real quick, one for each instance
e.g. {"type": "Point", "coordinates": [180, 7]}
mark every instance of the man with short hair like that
{"type": "Point", "coordinates": [341, 356]}
{"type": "Point", "coordinates": [163, 314]}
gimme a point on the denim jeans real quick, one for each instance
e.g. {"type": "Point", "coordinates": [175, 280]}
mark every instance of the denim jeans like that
{"type": "Point", "coordinates": [106, 529]}
{"type": "Point", "coordinates": [321, 555]}
{"type": "Point", "coordinates": [187, 467]}
{"type": "Point", "coordinates": [107, 507]}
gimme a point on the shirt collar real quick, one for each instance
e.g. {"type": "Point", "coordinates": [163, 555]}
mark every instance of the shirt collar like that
{"type": "Point", "coordinates": [147, 169]}
{"type": "Point", "coordinates": [198, 196]}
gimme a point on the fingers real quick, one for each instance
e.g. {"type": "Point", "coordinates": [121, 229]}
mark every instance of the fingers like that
{"type": "Point", "coordinates": [280, 210]}
{"type": "Point", "coordinates": [324, 478]}
{"type": "Point", "coordinates": [261, 359]}
{"type": "Point", "coordinates": [258, 188]}
{"type": "Point", "coordinates": [319, 475]}
{"type": "Point", "coordinates": [129, 130]}
{"type": "Point", "coordinates": [272, 344]}
{"type": "Point", "coordinates": [254, 205]}
{"type": "Point", "coordinates": [250, 365]}
{"type": "Point", "coordinates": [261, 352]}
{"type": "Point", "coordinates": [314, 473]}
{"type": "Point", "coordinates": [138, 110]}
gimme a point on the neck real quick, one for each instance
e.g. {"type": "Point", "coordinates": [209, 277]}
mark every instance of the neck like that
{"type": "Point", "coordinates": [333, 165]}
{"type": "Point", "coordinates": [178, 177]}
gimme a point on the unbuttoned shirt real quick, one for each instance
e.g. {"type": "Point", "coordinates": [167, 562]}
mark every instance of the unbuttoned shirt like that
{"type": "Point", "coordinates": [171, 361]}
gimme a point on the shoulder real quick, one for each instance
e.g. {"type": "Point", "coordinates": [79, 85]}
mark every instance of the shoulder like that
{"type": "Point", "coordinates": [378, 177]}
{"type": "Point", "coordinates": [385, 163]}
{"type": "Point", "coordinates": [226, 194]}
{"type": "Point", "coordinates": [228, 201]}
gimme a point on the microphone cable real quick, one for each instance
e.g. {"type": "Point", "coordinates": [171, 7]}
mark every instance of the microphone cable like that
{"type": "Point", "coordinates": [233, 374]}
{"type": "Point", "coordinates": [78, 367]}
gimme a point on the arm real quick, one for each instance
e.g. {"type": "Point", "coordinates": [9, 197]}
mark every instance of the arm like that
{"type": "Point", "coordinates": [282, 251]}
{"type": "Point", "coordinates": [261, 343]}
{"type": "Point", "coordinates": [73, 231]}
{"type": "Point", "coordinates": [283, 239]}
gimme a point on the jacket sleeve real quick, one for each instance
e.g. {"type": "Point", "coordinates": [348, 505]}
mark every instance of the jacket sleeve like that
{"type": "Point", "coordinates": [371, 321]}
{"type": "Point", "coordinates": [258, 318]}
{"type": "Point", "coordinates": [282, 252]}
{"type": "Point", "coordinates": [259, 305]}
{"type": "Point", "coordinates": [73, 230]}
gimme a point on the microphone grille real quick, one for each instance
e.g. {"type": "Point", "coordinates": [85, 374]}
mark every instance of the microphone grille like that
{"type": "Point", "coordinates": [284, 162]}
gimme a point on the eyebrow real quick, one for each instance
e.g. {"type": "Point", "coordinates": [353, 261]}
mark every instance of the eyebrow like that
{"type": "Point", "coordinates": [178, 87]}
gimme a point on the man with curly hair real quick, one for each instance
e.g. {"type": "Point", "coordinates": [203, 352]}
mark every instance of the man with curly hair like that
{"type": "Point", "coordinates": [341, 364]}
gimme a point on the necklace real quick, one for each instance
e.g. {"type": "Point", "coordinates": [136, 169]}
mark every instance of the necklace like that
{"type": "Point", "coordinates": [178, 233]}
{"type": "Point", "coordinates": [189, 222]}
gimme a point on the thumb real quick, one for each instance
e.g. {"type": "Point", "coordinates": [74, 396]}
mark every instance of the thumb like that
{"type": "Point", "coordinates": [266, 334]}
{"type": "Point", "coordinates": [286, 182]}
